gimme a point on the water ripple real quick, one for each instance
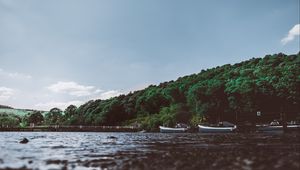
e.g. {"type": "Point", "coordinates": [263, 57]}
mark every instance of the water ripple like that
{"type": "Point", "coordinates": [77, 150]}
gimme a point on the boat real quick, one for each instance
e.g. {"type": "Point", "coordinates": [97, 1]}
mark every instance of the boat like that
{"type": "Point", "coordinates": [164, 129]}
{"type": "Point", "coordinates": [179, 128]}
{"type": "Point", "coordinates": [142, 131]}
{"type": "Point", "coordinates": [217, 129]}
{"type": "Point", "coordinates": [276, 126]}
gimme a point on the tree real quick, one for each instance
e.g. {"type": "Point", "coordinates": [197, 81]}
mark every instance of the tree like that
{"type": "Point", "coordinates": [54, 117]}
{"type": "Point", "coordinates": [70, 111]}
{"type": "Point", "coordinates": [36, 117]}
{"type": "Point", "coordinates": [9, 120]}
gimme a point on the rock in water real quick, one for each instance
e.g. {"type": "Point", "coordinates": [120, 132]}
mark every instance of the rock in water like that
{"type": "Point", "coordinates": [24, 140]}
{"type": "Point", "coordinates": [111, 137]}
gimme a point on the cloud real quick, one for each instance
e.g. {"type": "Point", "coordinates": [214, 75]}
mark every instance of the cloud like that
{"type": "Point", "coordinates": [294, 32]}
{"type": "Point", "coordinates": [78, 94]}
{"type": "Point", "coordinates": [73, 89]}
{"type": "Point", "coordinates": [61, 105]}
{"type": "Point", "coordinates": [109, 94]}
{"type": "Point", "coordinates": [6, 93]}
{"type": "Point", "coordinates": [14, 75]}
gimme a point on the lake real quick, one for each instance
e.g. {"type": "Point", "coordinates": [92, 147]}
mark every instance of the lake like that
{"type": "Point", "coordinates": [90, 150]}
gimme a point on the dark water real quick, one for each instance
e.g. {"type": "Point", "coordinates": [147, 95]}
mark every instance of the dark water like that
{"type": "Point", "coordinates": [83, 150]}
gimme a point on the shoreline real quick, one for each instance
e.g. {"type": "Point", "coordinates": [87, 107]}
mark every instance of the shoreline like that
{"type": "Point", "coordinates": [73, 129]}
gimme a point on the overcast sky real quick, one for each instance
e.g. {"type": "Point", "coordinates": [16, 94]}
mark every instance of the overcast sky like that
{"type": "Point", "coordinates": [59, 52]}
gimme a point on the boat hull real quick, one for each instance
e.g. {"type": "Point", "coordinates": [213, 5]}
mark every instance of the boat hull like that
{"type": "Point", "coordinates": [172, 130]}
{"type": "Point", "coordinates": [277, 128]}
{"type": "Point", "coordinates": [209, 129]}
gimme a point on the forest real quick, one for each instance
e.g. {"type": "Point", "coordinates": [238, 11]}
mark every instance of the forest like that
{"type": "Point", "coordinates": [270, 85]}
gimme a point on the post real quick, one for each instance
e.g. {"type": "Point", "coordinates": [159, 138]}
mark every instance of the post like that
{"type": "Point", "coordinates": [236, 118]}
{"type": "Point", "coordinates": [258, 116]}
{"type": "Point", "coordinates": [283, 118]}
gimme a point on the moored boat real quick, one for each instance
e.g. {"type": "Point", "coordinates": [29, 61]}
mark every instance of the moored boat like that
{"type": "Point", "coordinates": [216, 129]}
{"type": "Point", "coordinates": [164, 129]}
{"type": "Point", "coordinates": [265, 128]}
{"type": "Point", "coordinates": [276, 126]}
{"type": "Point", "coordinates": [179, 128]}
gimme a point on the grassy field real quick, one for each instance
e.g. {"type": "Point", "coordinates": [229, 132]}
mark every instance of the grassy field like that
{"type": "Point", "coordinates": [19, 112]}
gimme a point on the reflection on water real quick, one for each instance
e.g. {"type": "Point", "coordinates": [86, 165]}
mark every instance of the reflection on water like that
{"type": "Point", "coordinates": [83, 150]}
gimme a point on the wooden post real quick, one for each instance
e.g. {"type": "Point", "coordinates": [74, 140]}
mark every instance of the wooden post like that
{"type": "Point", "coordinates": [257, 118]}
{"type": "Point", "coordinates": [236, 118]}
{"type": "Point", "coordinates": [283, 118]}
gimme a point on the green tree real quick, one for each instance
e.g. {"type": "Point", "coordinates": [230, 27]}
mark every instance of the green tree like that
{"type": "Point", "coordinates": [70, 111]}
{"type": "Point", "coordinates": [9, 120]}
{"type": "Point", "coordinates": [54, 117]}
{"type": "Point", "coordinates": [36, 117]}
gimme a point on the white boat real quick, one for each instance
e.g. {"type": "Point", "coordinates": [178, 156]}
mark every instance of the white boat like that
{"type": "Point", "coordinates": [164, 129]}
{"type": "Point", "coordinates": [276, 127]}
{"type": "Point", "coordinates": [142, 131]}
{"type": "Point", "coordinates": [216, 129]}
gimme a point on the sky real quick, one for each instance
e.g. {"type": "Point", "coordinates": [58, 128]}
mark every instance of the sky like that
{"type": "Point", "coordinates": [54, 53]}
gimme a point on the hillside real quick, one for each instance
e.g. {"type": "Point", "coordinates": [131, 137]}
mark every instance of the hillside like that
{"type": "Point", "coordinates": [10, 117]}
{"type": "Point", "coordinates": [19, 112]}
{"type": "Point", "coordinates": [234, 93]}
{"type": "Point", "coordinates": [229, 92]}
{"type": "Point", "coordinates": [5, 107]}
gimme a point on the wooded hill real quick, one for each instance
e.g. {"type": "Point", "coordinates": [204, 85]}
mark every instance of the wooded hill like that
{"type": "Point", "coordinates": [234, 93]}
{"type": "Point", "coordinates": [5, 107]}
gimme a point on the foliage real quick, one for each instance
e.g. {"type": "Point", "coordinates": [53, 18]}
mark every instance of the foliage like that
{"type": "Point", "coordinates": [54, 117]}
{"type": "Point", "coordinates": [5, 107]}
{"type": "Point", "coordinates": [229, 92]}
{"type": "Point", "coordinates": [36, 117]}
{"type": "Point", "coordinates": [69, 114]}
{"type": "Point", "coordinates": [168, 116]}
{"type": "Point", "coordinates": [270, 84]}
{"type": "Point", "coordinates": [9, 120]}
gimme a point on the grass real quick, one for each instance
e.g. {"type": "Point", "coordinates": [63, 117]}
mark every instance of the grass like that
{"type": "Point", "coordinates": [19, 112]}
